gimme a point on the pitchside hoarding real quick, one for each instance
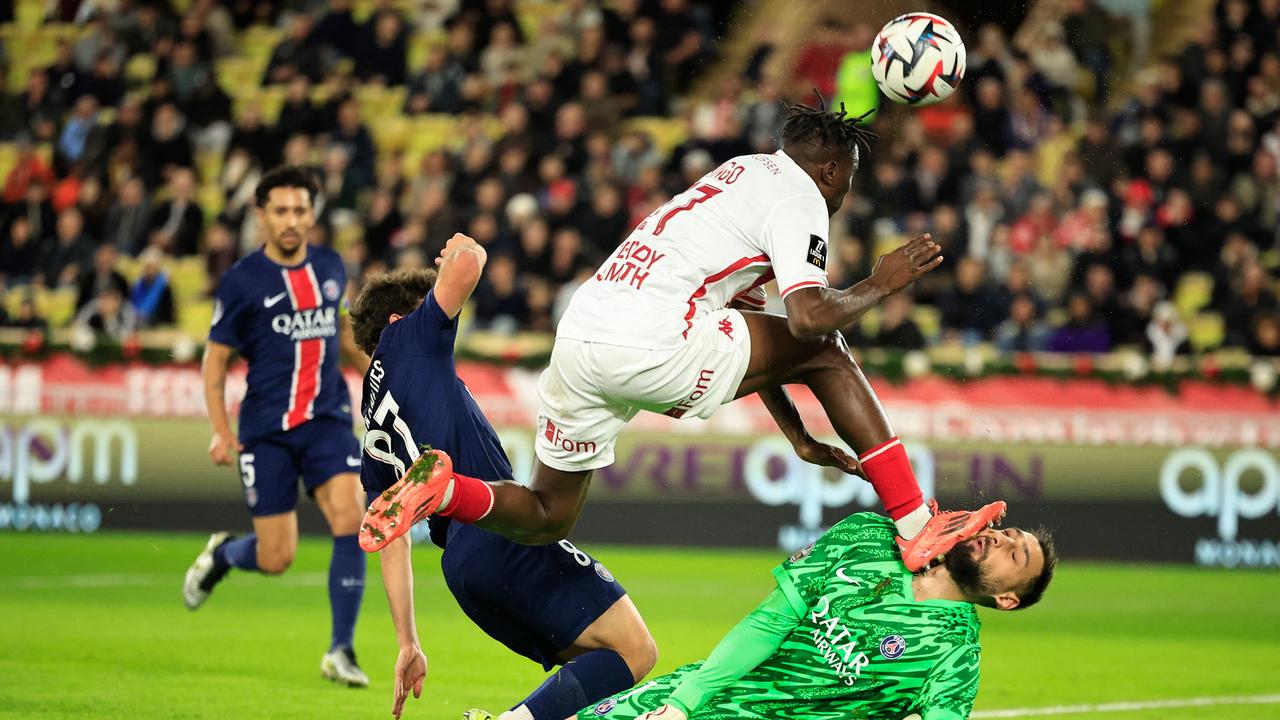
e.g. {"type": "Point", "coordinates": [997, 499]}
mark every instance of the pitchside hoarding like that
{"type": "Point", "coordinates": [1148, 477]}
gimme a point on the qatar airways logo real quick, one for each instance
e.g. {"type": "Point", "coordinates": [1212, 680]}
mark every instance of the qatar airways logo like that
{"type": "Point", "coordinates": [307, 324]}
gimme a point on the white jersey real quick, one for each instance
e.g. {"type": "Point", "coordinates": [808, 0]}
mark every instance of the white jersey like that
{"type": "Point", "coordinates": [754, 219]}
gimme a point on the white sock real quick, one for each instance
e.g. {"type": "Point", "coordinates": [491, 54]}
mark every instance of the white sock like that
{"type": "Point", "coordinates": [912, 523]}
{"type": "Point", "coordinates": [520, 713]}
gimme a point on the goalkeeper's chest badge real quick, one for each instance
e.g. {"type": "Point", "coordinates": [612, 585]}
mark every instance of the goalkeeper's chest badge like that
{"type": "Point", "coordinates": [892, 647]}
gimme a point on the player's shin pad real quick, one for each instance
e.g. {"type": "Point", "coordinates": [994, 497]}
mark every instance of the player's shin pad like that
{"type": "Point", "coordinates": [424, 487]}
{"type": "Point", "coordinates": [945, 530]}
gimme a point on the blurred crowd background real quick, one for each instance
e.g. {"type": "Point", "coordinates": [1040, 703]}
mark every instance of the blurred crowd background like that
{"type": "Point", "coordinates": [1089, 192]}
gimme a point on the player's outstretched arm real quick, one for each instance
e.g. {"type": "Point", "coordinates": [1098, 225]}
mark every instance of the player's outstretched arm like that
{"type": "Point", "coordinates": [460, 263]}
{"type": "Point", "coordinates": [815, 312]}
{"type": "Point", "coordinates": [748, 644]}
{"type": "Point", "coordinates": [397, 579]}
{"type": "Point", "coordinates": [214, 371]}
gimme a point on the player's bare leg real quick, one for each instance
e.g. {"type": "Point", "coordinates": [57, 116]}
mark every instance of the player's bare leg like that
{"type": "Point", "coordinates": [341, 500]}
{"type": "Point", "coordinates": [269, 549]}
{"type": "Point", "coordinates": [612, 654]}
{"type": "Point", "coordinates": [828, 369]}
{"type": "Point", "coordinates": [277, 541]}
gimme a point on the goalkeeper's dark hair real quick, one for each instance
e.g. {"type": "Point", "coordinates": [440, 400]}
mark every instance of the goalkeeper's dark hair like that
{"type": "Point", "coordinates": [1040, 582]}
{"type": "Point", "coordinates": [830, 130]}
{"type": "Point", "coordinates": [398, 292]}
{"type": "Point", "coordinates": [286, 176]}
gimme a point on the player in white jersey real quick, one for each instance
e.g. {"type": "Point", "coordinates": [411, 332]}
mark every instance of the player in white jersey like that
{"type": "Point", "coordinates": [671, 323]}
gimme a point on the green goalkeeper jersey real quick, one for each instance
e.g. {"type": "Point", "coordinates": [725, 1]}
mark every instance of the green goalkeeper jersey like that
{"type": "Point", "coordinates": [864, 647]}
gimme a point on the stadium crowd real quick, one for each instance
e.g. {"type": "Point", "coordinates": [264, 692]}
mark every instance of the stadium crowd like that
{"type": "Point", "coordinates": [1080, 208]}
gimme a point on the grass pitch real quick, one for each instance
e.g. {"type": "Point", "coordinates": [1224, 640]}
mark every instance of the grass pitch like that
{"type": "Point", "coordinates": [94, 627]}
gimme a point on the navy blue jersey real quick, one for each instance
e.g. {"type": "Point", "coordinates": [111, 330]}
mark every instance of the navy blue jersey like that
{"type": "Point", "coordinates": [284, 321]}
{"type": "Point", "coordinates": [413, 396]}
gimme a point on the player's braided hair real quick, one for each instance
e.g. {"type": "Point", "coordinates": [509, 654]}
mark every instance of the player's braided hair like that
{"type": "Point", "coordinates": [397, 292]}
{"type": "Point", "coordinates": [828, 129]}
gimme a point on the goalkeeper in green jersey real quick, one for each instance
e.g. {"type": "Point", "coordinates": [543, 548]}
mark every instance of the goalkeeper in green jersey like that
{"type": "Point", "coordinates": [849, 633]}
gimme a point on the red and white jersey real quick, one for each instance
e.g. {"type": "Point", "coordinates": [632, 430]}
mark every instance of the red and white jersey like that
{"type": "Point", "coordinates": [754, 219]}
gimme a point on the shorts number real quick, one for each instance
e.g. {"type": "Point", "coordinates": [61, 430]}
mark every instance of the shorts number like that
{"type": "Point", "coordinates": [246, 469]}
{"type": "Point", "coordinates": [580, 557]}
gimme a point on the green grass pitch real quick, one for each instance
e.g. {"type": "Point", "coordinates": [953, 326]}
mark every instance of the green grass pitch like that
{"type": "Point", "coordinates": [94, 627]}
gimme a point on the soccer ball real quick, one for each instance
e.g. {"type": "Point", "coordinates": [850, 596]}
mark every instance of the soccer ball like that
{"type": "Point", "coordinates": [918, 59]}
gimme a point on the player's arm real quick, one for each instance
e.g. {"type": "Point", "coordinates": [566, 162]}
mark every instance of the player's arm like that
{"type": "Point", "coordinates": [816, 312]}
{"type": "Point", "coordinates": [748, 644]}
{"type": "Point", "coordinates": [214, 371]}
{"type": "Point", "coordinates": [397, 580]}
{"type": "Point", "coordinates": [460, 263]}
{"type": "Point", "coordinates": [351, 353]}
{"type": "Point", "coordinates": [779, 404]}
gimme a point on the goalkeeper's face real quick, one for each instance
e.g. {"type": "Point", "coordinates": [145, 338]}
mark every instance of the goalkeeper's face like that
{"type": "Point", "coordinates": [997, 568]}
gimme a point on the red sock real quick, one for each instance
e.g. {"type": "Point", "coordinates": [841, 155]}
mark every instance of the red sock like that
{"type": "Point", "coordinates": [472, 500]}
{"type": "Point", "coordinates": [889, 471]}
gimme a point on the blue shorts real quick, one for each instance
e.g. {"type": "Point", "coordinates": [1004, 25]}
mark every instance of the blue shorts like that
{"type": "Point", "coordinates": [315, 451]}
{"type": "Point", "coordinates": [535, 599]}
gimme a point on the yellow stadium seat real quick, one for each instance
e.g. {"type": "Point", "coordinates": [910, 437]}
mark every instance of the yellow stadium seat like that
{"type": "Point", "coordinates": [211, 200]}
{"type": "Point", "coordinates": [390, 132]}
{"type": "Point", "coordinates": [194, 316]}
{"type": "Point", "coordinates": [432, 132]}
{"type": "Point", "coordinates": [129, 267]}
{"type": "Point", "coordinates": [1194, 291]}
{"type": "Point", "coordinates": [1206, 331]}
{"type": "Point", "coordinates": [8, 158]}
{"type": "Point", "coordinates": [58, 306]}
{"type": "Point", "coordinates": [666, 133]}
{"type": "Point", "coordinates": [187, 278]}
{"type": "Point", "coordinates": [419, 45]}
{"type": "Point", "coordinates": [929, 320]}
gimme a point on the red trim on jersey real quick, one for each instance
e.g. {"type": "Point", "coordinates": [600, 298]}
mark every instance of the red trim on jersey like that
{"type": "Point", "coordinates": [702, 291]}
{"type": "Point", "coordinates": [308, 355]}
{"type": "Point", "coordinates": [803, 284]}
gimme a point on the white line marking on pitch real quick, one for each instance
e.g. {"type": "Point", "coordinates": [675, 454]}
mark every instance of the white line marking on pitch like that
{"type": "Point", "coordinates": [1127, 706]}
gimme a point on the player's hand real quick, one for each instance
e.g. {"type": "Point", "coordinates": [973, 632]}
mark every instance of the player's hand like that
{"type": "Point", "coordinates": [820, 453]}
{"type": "Point", "coordinates": [411, 671]}
{"type": "Point", "coordinates": [903, 266]}
{"type": "Point", "coordinates": [666, 712]}
{"type": "Point", "coordinates": [221, 448]}
{"type": "Point", "coordinates": [456, 243]}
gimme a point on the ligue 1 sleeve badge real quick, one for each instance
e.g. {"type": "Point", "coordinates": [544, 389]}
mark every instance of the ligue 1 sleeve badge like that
{"type": "Point", "coordinates": [892, 647]}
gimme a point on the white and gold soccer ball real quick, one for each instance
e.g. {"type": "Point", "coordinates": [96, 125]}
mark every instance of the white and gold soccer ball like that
{"type": "Point", "coordinates": [918, 59]}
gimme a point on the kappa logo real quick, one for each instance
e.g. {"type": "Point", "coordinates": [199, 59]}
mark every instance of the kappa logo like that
{"type": "Point", "coordinates": [726, 327]}
{"type": "Point", "coordinates": [271, 301]}
{"type": "Point", "coordinates": [892, 647]}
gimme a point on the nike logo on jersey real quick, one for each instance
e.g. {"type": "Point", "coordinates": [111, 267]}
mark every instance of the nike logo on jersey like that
{"type": "Point", "coordinates": [851, 580]}
{"type": "Point", "coordinates": [353, 461]}
{"type": "Point", "coordinates": [271, 301]}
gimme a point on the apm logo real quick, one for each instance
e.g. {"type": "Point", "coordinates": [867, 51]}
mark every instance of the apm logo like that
{"type": "Point", "coordinates": [1219, 491]}
{"type": "Point", "coordinates": [43, 450]}
{"type": "Point", "coordinates": [775, 475]}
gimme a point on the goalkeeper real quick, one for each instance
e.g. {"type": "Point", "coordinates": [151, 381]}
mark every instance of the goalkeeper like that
{"type": "Point", "coordinates": [850, 633]}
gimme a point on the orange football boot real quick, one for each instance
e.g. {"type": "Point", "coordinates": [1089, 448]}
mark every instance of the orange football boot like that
{"type": "Point", "coordinates": [420, 492]}
{"type": "Point", "coordinates": [945, 530]}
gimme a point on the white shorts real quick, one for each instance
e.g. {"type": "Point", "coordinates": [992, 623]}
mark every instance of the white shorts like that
{"type": "Point", "coordinates": [590, 391]}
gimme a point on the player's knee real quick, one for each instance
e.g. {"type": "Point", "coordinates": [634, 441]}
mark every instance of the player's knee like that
{"type": "Point", "coordinates": [643, 657]}
{"type": "Point", "coordinates": [273, 561]}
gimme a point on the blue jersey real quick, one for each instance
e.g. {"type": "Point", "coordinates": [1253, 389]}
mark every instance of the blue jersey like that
{"type": "Point", "coordinates": [284, 321]}
{"type": "Point", "coordinates": [413, 397]}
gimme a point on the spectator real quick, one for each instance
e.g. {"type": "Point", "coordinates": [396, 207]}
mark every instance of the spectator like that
{"type": "Point", "coordinates": [108, 316]}
{"type": "Point", "coordinates": [1022, 331]}
{"type": "Point", "coordinates": [19, 253]}
{"type": "Point", "coordinates": [71, 252]}
{"type": "Point", "coordinates": [1083, 332]}
{"type": "Point", "coordinates": [898, 331]}
{"type": "Point", "coordinates": [166, 148]}
{"type": "Point", "coordinates": [101, 276]}
{"type": "Point", "coordinates": [1264, 339]}
{"type": "Point", "coordinates": [28, 169]}
{"type": "Point", "coordinates": [128, 218]}
{"type": "Point", "coordinates": [27, 317]}
{"type": "Point", "coordinates": [176, 223]}
{"type": "Point", "coordinates": [1129, 327]}
{"type": "Point", "coordinates": [150, 295]}
{"type": "Point", "coordinates": [386, 51]}
{"type": "Point", "coordinates": [1252, 297]}
{"type": "Point", "coordinates": [971, 309]}
{"type": "Point", "coordinates": [1166, 336]}
{"type": "Point", "coordinates": [501, 304]}
{"type": "Point", "coordinates": [353, 134]}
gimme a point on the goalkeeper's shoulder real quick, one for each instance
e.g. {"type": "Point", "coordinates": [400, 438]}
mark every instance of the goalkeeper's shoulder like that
{"type": "Point", "coordinates": [860, 527]}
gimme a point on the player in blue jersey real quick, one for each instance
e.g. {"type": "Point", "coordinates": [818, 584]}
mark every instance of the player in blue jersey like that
{"type": "Point", "coordinates": [283, 309]}
{"type": "Point", "coordinates": [554, 604]}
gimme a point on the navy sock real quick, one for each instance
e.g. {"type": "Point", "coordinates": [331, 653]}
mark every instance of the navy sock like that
{"type": "Point", "coordinates": [582, 681]}
{"type": "Point", "coordinates": [346, 588]}
{"type": "Point", "coordinates": [241, 553]}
